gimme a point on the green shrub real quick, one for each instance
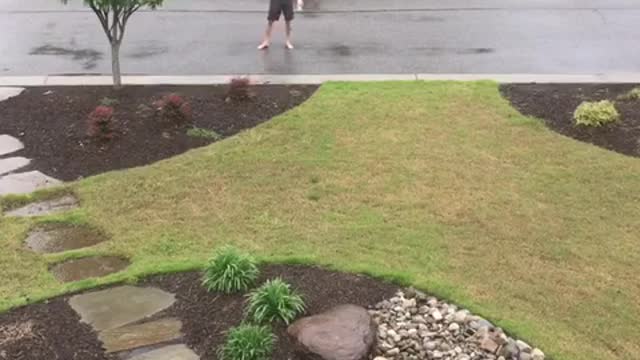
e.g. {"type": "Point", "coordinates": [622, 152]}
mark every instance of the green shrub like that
{"type": "Point", "coordinates": [274, 300]}
{"type": "Point", "coordinates": [248, 342]}
{"type": "Point", "coordinates": [229, 271]}
{"type": "Point", "coordinates": [203, 133]}
{"type": "Point", "coordinates": [107, 101]}
{"type": "Point", "coordinates": [632, 95]}
{"type": "Point", "coordinates": [596, 113]}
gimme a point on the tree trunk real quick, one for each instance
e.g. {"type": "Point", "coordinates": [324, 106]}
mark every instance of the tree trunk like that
{"type": "Point", "coordinates": [115, 65]}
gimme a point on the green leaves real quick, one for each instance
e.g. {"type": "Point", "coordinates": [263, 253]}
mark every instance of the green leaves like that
{"type": "Point", "coordinates": [273, 301]}
{"type": "Point", "coordinates": [230, 271]}
{"type": "Point", "coordinates": [596, 113]}
{"type": "Point", "coordinates": [108, 5]}
{"type": "Point", "coordinates": [248, 342]}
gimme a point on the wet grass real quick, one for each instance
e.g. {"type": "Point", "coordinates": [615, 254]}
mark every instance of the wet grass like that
{"type": "Point", "coordinates": [442, 185]}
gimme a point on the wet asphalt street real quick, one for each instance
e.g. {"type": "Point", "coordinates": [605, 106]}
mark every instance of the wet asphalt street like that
{"type": "Point", "coordinates": [201, 37]}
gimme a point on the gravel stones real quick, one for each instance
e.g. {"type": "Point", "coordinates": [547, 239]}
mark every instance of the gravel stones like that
{"type": "Point", "coordinates": [413, 326]}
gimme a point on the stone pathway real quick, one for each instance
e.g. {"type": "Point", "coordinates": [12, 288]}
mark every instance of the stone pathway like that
{"type": "Point", "coordinates": [118, 316]}
{"type": "Point", "coordinates": [9, 144]}
{"type": "Point", "coordinates": [171, 352]}
{"type": "Point", "coordinates": [12, 164]}
{"type": "Point", "coordinates": [44, 208]}
{"type": "Point", "coordinates": [25, 183]}
{"type": "Point", "coordinates": [50, 239]}
{"type": "Point", "coordinates": [10, 181]}
{"type": "Point", "coordinates": [89, 267]}
{"type": "Point", "coordinates": [9, 92]}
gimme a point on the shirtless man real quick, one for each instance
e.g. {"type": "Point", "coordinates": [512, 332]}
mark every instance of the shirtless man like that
{"type": "Point", "coordinates": [276, 9]}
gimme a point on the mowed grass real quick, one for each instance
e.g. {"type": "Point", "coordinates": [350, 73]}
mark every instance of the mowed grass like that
{"type": "Point", "coordinates": [442, 185]}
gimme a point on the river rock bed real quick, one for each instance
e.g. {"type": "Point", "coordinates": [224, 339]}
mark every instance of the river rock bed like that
{"type": "Point", "coordinates": [413, 326]}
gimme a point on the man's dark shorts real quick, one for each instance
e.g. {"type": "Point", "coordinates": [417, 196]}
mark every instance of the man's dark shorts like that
{"type": "Point", "coordinates": [279, 7]}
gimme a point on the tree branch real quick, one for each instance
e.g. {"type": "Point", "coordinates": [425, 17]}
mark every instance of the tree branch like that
{"type": "Point", "coordinates": [103, 17]}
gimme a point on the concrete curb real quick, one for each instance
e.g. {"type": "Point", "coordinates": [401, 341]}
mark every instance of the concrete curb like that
{"type": "Point", "coordinates": [80, 80]}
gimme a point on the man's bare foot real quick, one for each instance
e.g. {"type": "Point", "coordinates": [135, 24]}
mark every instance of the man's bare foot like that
{"type": "Point", "coordinates": [264, 45]}
{"type": "Point", "coordinates": [289, 45]}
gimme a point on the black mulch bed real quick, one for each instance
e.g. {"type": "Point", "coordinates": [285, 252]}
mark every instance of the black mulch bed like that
{"type": "Point", "coordinates": [206, 317]}
{"type": "Point", "coordinates": [555, 105]}
{"type": "Point", "coordinates": [50, 331]}
{"type": "Point", "coordinates": [52, 123]}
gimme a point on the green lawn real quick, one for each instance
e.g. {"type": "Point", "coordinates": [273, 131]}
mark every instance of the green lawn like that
{"type": "Point", "coordinates": [440, 184]}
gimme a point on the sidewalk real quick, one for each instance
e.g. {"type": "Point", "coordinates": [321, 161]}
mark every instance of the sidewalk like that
{"type": "Point", "coordinates": [27, 81]}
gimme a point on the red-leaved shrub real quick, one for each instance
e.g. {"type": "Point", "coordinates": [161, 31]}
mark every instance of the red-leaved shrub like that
{"type": "Point", "coordinates": [173, 108]}
{"type": "Point", "coordinates": [100, 123]}
{"type": "Point", "coordinates": [239, 89]}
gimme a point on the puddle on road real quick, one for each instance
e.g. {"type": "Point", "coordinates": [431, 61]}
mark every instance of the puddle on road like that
{"type": "Point", "coordinates": [51, 238]}
{"type": "Point", "coordinates": [91, 267]}
{"type": "Point", "coordinates": [147, 50]}
{"type": "Point", "coordinates": [453, 51]}
{"type": "Point", "coordinates": [88, 57]}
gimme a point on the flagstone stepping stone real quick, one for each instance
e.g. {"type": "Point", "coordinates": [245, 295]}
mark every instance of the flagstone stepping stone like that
{"type": "Point", "coordinates": [171, 352]}
{"type": "Point", "coordinates": [90, 267]}
{"type": "Point", "coordinates": [9, 144]}
{"type": "Point", "coordinates": [119, 306]}
{"type": "Point", "coordinates": [25, 183]}
{"type": "Point", "coordinates": [58, 238]}
{"type": "Point", "coordinates": [136, 336]}
{"type": "Point", "coordinates": [12, 164]}
{"type": "Point", "coordinates": [43, 208]}
{"type": "Point", "coordinates": [9, 92]}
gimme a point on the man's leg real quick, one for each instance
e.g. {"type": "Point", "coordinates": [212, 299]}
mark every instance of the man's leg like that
{"type": "Point", "coordinates": [288, 17]}
{"type": "Point", "coordinates": [267, 36]}
{"type": "Point", "coordinates": [289, 44]}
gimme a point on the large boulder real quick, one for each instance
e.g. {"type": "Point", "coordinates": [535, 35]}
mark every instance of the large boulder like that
{"type": "Point", "coordinates": [346, 332]}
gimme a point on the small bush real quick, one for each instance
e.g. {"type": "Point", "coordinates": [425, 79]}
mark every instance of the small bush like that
{"type": "Point", "coordinates": [100, 123]}
{"type": "Point", "coordinates": [596, 113]}
{"type": "Point", "coordinates": [203, 133]}
{"type": "Point", "coordinates": [632, 95]}
{"type": "Point", "coordinates": [239, 89]}
{"type": "Point", "coordinates": [173, 108]}
{"type": "Point", "coordinates": [248, 342]}
{"type": "Point", "coordinates": [230, 271]}
{"type": "Point", "coordinates": [274, 300]}
{"type": "Point", "coordinates": [107, 101]}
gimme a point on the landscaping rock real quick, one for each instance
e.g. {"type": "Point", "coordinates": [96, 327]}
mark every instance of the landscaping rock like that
{"type": "Point", "coordinates": [137, 336]}
{"type": "Point", "coordinates": [43, 208]}
{"type": "Point", "coordinates": [443, 332]}
{"type": "Point", "coordinates": [25, 183]}
{"type": "Point", "coordinates": [85, 268]}
{"type": "Point", "coordinates": [9, 92]}
{"type": "Point", "coordinates": [119, 306]}
{"type": "Point", "coordinates": [9, 144]}
{"type": "Point", "coordinates": [12, 164]}
{"type": "Point", "coordinates": [345, 332]}
{"type": "Point", "coordinates": [171, 352]}
{"type": "Point", "coordinates": [58, 239]}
